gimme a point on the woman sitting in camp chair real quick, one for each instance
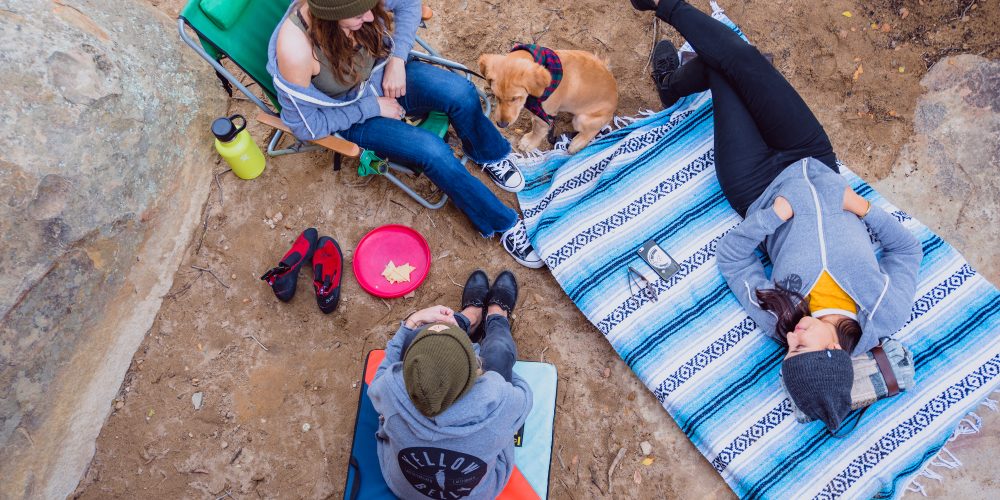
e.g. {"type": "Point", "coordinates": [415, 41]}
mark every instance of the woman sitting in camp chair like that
{"type": "Point", "coordinates": [336, 69]}
{"type": "Point", "coordinates": [829, 297]}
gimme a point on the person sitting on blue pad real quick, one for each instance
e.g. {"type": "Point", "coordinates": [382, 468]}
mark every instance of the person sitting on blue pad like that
{"type": "Point", "coordinates": [449, 408]}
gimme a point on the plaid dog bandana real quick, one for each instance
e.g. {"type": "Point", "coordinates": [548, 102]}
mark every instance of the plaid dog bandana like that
{"type": "Point", "coordinates": [550, 61]}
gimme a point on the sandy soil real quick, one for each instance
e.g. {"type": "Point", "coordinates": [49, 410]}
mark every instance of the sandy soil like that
{"type": "Point", "coordinates": [248, 437]}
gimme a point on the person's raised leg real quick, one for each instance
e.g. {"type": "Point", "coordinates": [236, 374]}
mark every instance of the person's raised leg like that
{"type": "Point", "coordinates": [744, 163]}
{"type": "Point", "coordinates": [497, 348]}
{"type": "Point", "coordinates": [782, 117]}
{"type": "Point", "coordinates": [414, 147]}
{"type": "Point", "coordinates": [430, 88]}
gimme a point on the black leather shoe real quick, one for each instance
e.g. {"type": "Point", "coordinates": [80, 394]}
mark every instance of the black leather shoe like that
{"type": "Point", "coordinates": [665, 62]}
{"type": "Point", "coordinates": [477, 288]}
{"type": "Point", "coordinates": [643, 5]}
{"type": "Point", "coordinates": [504, 292]}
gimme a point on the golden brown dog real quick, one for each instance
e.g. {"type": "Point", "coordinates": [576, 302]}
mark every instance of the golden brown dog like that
{"type": "Point", "coordinates": [588, 91]}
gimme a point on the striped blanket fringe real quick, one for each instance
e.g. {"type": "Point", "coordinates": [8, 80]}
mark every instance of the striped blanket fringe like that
{"type": "Point", "coordinates": [652, 176]}
{"type": "Point", "coordinates": [972, 423]}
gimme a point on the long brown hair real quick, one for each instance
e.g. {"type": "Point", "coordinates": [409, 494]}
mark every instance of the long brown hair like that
{"type": "Point", "coordinates": [339, 49]}
{"type": "Point", "coordinates": [790, 307]}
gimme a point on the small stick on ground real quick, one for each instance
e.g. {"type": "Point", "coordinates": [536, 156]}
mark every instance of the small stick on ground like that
{"type": "Point", "coordinates": [453, 282]}
{"type": "Point", "coordinates": [541, 359]}
{"type": "Point", "coordinates": [237, 455]}
{"type": "Point", "coordinates": [222, 197]}
{"type": "Point", "coordinates": [209, 271]}
{"type": "Point", "coordinates": [183, 289]}
{"type": "Point", "coordinates": [614, 465]}
{"type": "Point", "coordinates": [408, 209]}
{"type": "Point", "coordinates": [431, 220]}
{"type": "Point", "coordinates": [568, 492]}
{"type": "Point", "coordinates": [262, 346]}
{"type": "Point", "coordinates": [559, 456]}
{"type": "Point", "coordinates": [386, 304]}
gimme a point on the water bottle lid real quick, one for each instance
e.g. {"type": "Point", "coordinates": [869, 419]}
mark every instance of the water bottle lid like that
{"type": "Point", "coordinates": [224, 130]}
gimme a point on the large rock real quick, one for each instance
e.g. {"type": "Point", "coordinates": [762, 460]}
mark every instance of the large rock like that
{"type": "Point", "coordinates": [948, 174]}
{"type": "Point", "coordinates": [105, 164]}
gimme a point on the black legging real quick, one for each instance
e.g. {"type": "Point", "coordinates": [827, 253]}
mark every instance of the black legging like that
{"type": "Point", "coordinates": [761, 124]}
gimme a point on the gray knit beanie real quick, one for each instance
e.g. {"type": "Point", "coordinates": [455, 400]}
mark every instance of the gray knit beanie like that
{"type": "Point", "coordinates": [819, 384]}
{"type": "Point", "coordinates": [335, 10]}
{"type": "Point", "coordinates": [439, 367]}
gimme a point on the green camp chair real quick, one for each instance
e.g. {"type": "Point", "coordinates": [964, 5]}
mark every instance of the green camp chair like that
{"type": "Point", "coordinates": [239, 30]}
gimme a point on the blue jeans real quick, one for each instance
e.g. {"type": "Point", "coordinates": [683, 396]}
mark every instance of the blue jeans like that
{"type": "Point", "coordinates": [496, 348]}
{"type": "Point", "coordinates": [430, 88]}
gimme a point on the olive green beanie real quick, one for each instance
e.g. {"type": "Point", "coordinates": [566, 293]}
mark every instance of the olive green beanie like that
{"type": "Point", "coordinates": [335, 10]}
{"type": "Point", "coordinates": [438, 368]}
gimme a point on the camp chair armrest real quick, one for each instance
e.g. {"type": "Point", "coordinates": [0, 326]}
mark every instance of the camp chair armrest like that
{"type": "Point", "coordinates": [425, 12]}
{"type": "Point", "coordinates": [336, 144]}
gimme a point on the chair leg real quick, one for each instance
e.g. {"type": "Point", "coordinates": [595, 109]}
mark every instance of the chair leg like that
{"type": "Point", "coordinates": [408, 190]}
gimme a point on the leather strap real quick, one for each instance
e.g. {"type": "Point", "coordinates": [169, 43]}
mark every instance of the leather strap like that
{"type": "Point", "coordinates": [885, 367]}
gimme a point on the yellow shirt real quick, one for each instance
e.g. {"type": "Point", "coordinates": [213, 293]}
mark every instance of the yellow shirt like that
{"type": "Point", "coordinates": [827, 297]}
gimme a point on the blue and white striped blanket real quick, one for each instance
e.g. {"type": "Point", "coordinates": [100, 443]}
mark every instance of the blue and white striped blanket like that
{"type": "Point", "coordinates": [697, 350]}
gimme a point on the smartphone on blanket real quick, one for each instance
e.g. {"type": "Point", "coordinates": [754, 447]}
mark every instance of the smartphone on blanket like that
{"type": "Point", "coordinates": [658, 258]}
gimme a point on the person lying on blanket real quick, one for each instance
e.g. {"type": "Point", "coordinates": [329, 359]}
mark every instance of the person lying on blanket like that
{"type": "Point", "coordinates": [829, 297]}
{"type": "Point", "coordinates": [447, 415]}
{"type": "Point", "coordinates": [337, 70]}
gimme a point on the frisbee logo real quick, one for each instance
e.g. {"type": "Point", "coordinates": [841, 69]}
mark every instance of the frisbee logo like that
{"type": "Point", "coordinates": [440, 473]}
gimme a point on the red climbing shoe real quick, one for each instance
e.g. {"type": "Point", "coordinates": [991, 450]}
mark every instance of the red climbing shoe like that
{"type": "Point", "coordinates": [284, 277]}
{"type": "Point", "coordinates": [328, 266]}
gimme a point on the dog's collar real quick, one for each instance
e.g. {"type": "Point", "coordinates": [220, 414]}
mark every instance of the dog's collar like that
{"type": "Point", "coordinates": [550, 61]}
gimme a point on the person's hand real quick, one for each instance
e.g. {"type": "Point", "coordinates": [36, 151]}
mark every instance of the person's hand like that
{"type": "Point", "coordinates": [390, 108]}
{"type": "Point", "coordinates": [783, 208]}
{"type": "Point", "coordinates": [433, 314]}
{"type": "Point", "coordinates": [854, 203]}
{"type": "Point", "coordinates": [394, 78]}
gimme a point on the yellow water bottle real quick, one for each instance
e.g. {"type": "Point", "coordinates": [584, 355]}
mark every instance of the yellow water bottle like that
{"type": "Point", "coordinates": [237, 147]}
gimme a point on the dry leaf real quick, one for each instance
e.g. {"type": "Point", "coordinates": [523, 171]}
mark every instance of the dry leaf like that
{"type": "Point", "coordinates": [410, 295]}
{"type": "Point", "coordinates": [648, 461]}
{"type": "Point", "coordinates": [858, 72]}
{"type": "Point", "coordinates": [607, 372]}
{"type": "Point", "coordinates": [874, 26]}
{"type": "Point", "coordinates": [903, 13]}
{"type": "Point", "coordinates": [397, 274]}
{"type": "Point", "coordinates": [886, 28]}
{"type": "Point", "coordinates": [637, 477]}
{"type": "Point", "coordinates": [902, 69]}
{"type": "Point", "coordinates": [846, 13]}
{"type": "Point", "coordinates": [892, 112]}
{"type": "Point", "coordinates": [857, 59]}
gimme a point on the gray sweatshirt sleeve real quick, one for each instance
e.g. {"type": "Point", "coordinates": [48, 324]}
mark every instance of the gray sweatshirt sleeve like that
{"type": "Point", "coordinates": [406, 16]}
{"type": "Point", "coordinates": [742, 269]}
{"type": "Point", "coordinates": [309, 122]}
{"type": "Point", "coordinates": [520, 400]}
{"type": "Point", "coordinates": [900, 261]}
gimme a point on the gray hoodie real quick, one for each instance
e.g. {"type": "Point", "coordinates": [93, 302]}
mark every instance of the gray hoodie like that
{"type": "Point", "coordinates": [467, 450]}
{"type": "Point", "coordinates": [822, 235]}
{"type": "Point", "coordinates": [311, 114]}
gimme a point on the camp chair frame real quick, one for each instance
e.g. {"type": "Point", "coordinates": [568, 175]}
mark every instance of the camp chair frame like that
{"type": "Point", "coordinates": [337, 144]}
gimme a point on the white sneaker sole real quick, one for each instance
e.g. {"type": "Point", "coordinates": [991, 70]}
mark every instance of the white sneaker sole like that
{"type": "Point", "coordinates": [516, 189]}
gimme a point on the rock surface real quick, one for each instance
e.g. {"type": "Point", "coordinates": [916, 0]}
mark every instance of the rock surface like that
{"type": "Point", "coordinates": [106, 163]}
{"type": "Point", "coordinates": [948, 174]}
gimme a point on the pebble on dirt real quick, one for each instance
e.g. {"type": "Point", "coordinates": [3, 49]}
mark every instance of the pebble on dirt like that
{"type": "Point", "coordinates": [196, 400]}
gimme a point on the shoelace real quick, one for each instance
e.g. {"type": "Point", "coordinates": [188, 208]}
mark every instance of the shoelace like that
{"type": "Point", "coordinates": [500, 168]}
{"type": "Point", "coordinates": [322, 289]}
{"type": "Point", "coordinates": [520, 238]}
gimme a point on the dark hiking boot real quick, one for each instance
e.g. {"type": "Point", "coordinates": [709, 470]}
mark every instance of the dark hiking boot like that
{"type": "Point", "coordinates": [328, 267]}
{"type": "Point", "coordinates": [504, 292]}
{"type": "Point", "coordinates": [477, 288]}
{"type": "Point", "coordinates": [284, 277]}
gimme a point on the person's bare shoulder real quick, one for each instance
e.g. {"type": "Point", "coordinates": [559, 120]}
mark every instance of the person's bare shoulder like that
{"type": "Point", "coordinates": [295, 55]}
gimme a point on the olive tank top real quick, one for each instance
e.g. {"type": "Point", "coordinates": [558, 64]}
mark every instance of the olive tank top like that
{"type": "Point", "coordinates": [326, 81]}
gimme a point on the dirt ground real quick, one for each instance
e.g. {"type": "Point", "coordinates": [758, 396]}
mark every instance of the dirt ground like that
{"type": "Point", "coordinates": [860, 74]}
